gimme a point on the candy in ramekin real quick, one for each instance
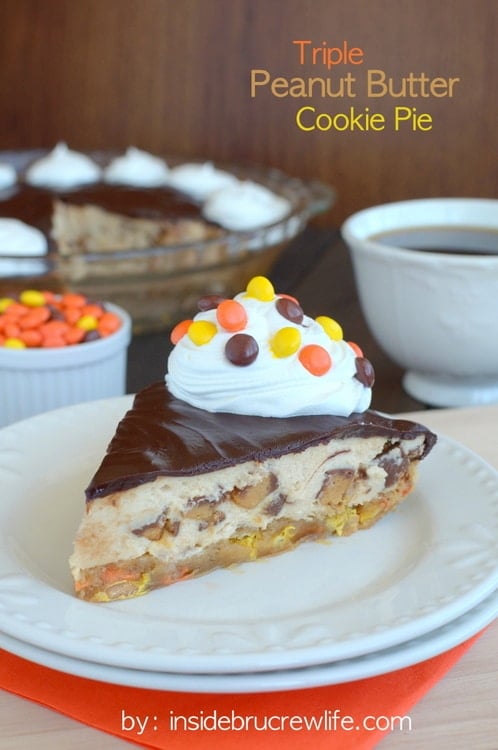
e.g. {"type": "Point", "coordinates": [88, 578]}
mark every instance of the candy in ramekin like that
{"type": "Point", "coordinates": [54, 354]}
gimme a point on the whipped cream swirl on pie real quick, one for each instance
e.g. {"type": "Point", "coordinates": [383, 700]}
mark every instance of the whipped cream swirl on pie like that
{"type": "Point", "coordinates": [259, 354]}
{"type": "Point", "coordinates": [137, 168]}
{"type": "Point", "coordinates": [63, 169]}
{"type": "Point", "coordinates": [200, 180]}
{"type": "Point", "coordinates": [8, 176]}
{"type": "Point", "coordinates": [21, 244]}
{"type": "Point", "coordinates": [245, 206]}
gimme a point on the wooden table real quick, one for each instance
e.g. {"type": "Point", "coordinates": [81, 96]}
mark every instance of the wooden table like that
{"type": "Point", "coordinates": [461, 712]}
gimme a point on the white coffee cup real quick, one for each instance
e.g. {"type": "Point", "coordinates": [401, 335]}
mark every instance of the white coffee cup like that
{"type": "Point", "coordinates": [434, 313]}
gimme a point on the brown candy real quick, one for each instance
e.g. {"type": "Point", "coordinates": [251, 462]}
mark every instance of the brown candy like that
{"type": "Point", "coordinates": [93, 335]}
{"type": "Point", "coordinates": [55, 313]}
{"type": "Point", "coordinates": [365, 371]}
{"type": "Point", "coordinates": [209, 302]}
{"type": "Point", "coordinates": [290, 310]}
{"type": "Point", "coordinates": [241, 349]}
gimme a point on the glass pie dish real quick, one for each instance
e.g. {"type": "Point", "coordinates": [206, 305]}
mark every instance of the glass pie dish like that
{"type": "Point", "coordinates": [160, 283]}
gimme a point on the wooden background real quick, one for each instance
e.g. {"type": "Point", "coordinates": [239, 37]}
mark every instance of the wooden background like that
{"type": "Point", "coordinates": [172, 76]}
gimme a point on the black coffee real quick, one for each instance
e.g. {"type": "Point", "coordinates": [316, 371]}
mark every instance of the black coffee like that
{"type": "Point", "coordinates": [443, 239]}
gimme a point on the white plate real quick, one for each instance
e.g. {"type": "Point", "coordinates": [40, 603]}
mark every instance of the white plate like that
{"type": "Point", "coordinates": [345, 670]}
{"type": "Point", "coordinates": [416, 570]}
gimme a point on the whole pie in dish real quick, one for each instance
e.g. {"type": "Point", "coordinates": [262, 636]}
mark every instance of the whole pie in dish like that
{"type": "Point", "coordinates": [148, 234]}
{"type": "Point", "coordinates": [260, 438]}
{"type": "Point", "coordinates": [135, 201]}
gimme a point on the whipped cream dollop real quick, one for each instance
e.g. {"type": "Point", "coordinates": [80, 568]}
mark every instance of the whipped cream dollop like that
{"type": "Point", "coordinates": [138, 168]}
{"type": "Point", "coordinates": [245, 205]}
{"type": "Point", "coordinates": [8, 176]}
{"type": "Point", "coordinates": [20, 245]}
{"type": "Point", "coordinates": [63, 169]}
{"type": "Point", "coordinates": [200, 180]}
{"type": "Point", "coordinates": [259, 354]}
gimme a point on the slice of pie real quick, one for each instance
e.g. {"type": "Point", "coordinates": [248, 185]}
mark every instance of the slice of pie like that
{"type": "Point", "coordinates": [182, 490]}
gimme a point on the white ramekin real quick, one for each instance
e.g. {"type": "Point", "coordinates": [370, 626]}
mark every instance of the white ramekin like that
{"type": "Point", "coordinates": [37, 380]}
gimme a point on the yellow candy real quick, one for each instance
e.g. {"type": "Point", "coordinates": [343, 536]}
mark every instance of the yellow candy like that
{"type": "Point", "coordinates": [331, 327]}
{"type": "Point", "coordinates": [285, 342]}
{"type": "Point", "coordinates": [14, 344]}
{"type": "Point", "coordinates": [201, 332]}
{"type": "Point", "coordinates": [261, 288]}
{"type": "Point", "coordinates": [88, 323]}
{"type": "Point", "coordinates": [32, 298]}
{"type": "Point", "coordinates": [5, 302]}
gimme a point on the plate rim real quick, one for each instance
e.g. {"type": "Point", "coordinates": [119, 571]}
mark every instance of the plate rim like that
{"type": "Point", "coordinates": [374, 664]}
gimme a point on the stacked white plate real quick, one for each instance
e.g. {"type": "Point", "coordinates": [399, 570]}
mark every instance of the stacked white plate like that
{"type": "Point", "coordinates": [421, 581]}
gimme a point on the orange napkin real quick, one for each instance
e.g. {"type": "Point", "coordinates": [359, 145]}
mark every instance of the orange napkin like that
{"type": "Point", "coordinates": [353, 716]}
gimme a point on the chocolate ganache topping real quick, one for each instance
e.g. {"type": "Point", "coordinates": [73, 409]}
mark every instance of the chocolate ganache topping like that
{"type": "Point", "coordinates": [34, 205]}
{"type": "Point", "coordinates": [165, 436]}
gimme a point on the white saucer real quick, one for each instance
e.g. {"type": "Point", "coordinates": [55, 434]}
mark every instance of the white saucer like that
{"type": "Point", "coordinates": [413, 572]}
{"type": "Point", "coordinates": [346, 670]}
{"type": "Point", "coordinates": [448, 391]}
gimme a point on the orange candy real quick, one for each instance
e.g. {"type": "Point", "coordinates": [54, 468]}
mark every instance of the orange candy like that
{"type": "Point", "coordinates": [53, 342]}
{"type": "Point", "coordinates": [72, 315]}
{"type": "Point", "coordinates": [54, 328]}
{"type": "Point", "coordinates": [108, 323]}
{"type": "Point", "coordinates": [72, 299]}
{"type": "Point", "coordinates": [95, 310]}
{"type": "Point", "coordinates": [34, 318]}
{"type": "Point", "coordinates": [231, 315]}
{"type": "Point", "coordinates": [31, 337]}
{"type": "Point", "coordinates": [315, 359]}
{"type": "Point", "coordinates": [355, 348]}
{"type": "Point", "coordinates": [74, 335]}
{"type": "Point", "coordinates": [16, 310]}
{"type": "Point", "coordinates": [180, 330]}
{"type": "Point", "coordinates": [11, 330]}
